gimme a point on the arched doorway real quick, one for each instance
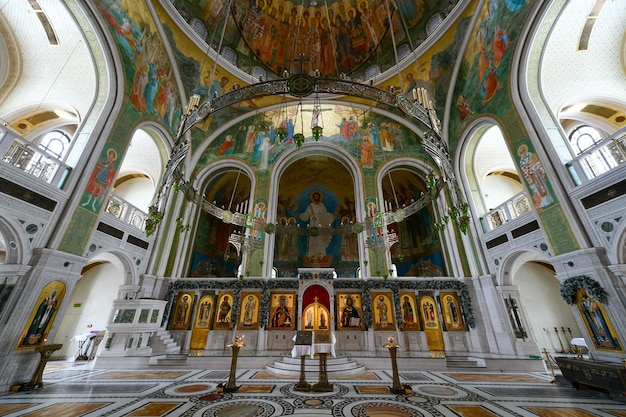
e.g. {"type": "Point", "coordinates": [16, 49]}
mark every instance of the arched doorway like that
{"type": "Point", "coordinates": [94, 293]}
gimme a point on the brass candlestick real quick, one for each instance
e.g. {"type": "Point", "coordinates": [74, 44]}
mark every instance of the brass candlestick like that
{"type": "Point", "coordinates": [235, 346]}
{"type": "Point", "coordinates": [560, 343]}
{"type": "Point", "coordinates": [545, 351]}
{"type": "Point", "coordinates": [36, 381]}
{"type": "Point", "coordinates": [571, 349]}
{"type": "Point", "coordinates": [396, 388]}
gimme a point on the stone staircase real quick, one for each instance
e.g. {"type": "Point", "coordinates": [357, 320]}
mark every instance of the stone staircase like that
{"type": "Point", "coordinates": [334, 366]}
{"type": "Point", "coordinates": [169, 359]}
{"type": "Point", "coordinates": [464, 362]}
{"type": "Point", "coordinates": [162, 342]}
{"type": "Point", "coordinates": [166, 351]}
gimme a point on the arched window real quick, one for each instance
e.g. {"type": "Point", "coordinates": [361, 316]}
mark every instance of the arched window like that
{"type": "Point", "coordinates": [585, 137]}
{"type": "Point", "coordinates": [198, 26]}
{"type": "Point", "coordinates": [55, 143]}
{"type": "Point", "coordinates": [433, 23]}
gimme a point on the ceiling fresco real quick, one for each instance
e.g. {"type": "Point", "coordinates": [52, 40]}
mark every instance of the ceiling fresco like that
{"type": "Point", "coordinates": [332, 36]}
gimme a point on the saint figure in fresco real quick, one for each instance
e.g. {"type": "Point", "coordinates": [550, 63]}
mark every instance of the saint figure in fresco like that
{"type": "Point", "coordinates": [248, 313]}
{"type": "Point", "coordinates": [429, 312]}
{"type": "Point", "coordinates": [383, 317]}
{"type": "Point", "coordinates": [224, 310]}
{"type": "Point", "coordinates": [100, 180]}
{"type": "Point", "coordinates": [535, 176]}
{"type": "Point", "coordinates": [181, 310]}
{"type": "Point", "coordinates": [452, 310]}
{"type": "Point", "coordinates": [367, 153]}
{"type": "Point", "coordinates": [318, 216]}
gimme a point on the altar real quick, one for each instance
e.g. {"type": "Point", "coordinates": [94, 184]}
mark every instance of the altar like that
{"type": "Point", "coordinates": [305, 345]}
{"type": "Point", "coordinates": [311, 349]}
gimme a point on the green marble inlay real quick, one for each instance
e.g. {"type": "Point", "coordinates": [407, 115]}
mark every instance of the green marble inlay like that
{"type": "Point", "coordinates": [557, 230]}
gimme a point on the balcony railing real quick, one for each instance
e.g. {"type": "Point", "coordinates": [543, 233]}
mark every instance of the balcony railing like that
{"type": "Point", "coordinates": [126, 212]}
{"type": "Point", "coordinates": [509, 210]}
{"type": "Point", "coordinates": [602, 157]}
{"type": "Point", "coordinates": [23, 155]}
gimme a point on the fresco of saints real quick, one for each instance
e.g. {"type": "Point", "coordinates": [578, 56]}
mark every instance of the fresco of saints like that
{"type": "Point", "coordinates": [100, 180]}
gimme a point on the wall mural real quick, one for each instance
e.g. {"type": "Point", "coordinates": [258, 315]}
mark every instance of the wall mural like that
{"type": "Point", "coordinates": [418, 251]}
{"type": "Point", "coordinates": [314, 209]}
{"type": "Point", "coordinates": [212, 253]}
{"type": "Point", "coordinates": [150, 81]}
{"type": "Point", "coordinates": [288, 34]}
{"type": "Point", "coordinates": [370, 138]}
{"type": "Point", "coordinates": [487, 61]}
{"type": "Point", "coordinates": [101, 178]}
{"type": "Point", "coordinates": [328, 200]}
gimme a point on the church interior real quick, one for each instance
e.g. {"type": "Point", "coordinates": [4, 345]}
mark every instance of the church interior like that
{"type": "Point", "coordinates": [206, 206]}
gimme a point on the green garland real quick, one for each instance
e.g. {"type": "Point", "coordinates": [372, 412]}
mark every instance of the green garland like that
{"type": "Point", "coordinates": [365, 286]}
{"type": "Point", "coordinates": [395, 286]}
{"type": "Point", "coordinates": [570, 286]}
{"type": "Point", "coordinates": [230, 284]}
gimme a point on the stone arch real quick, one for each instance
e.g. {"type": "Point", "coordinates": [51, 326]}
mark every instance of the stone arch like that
{"type": "Point", "coordinates": [11, 243]}
{"type": "Point", "coordinates": [530, 280]}
{"type": "Point", "coordinates": [105, 277]}
{"type": "Point", "coordinates": [209, 177]}
{"type": "Point", "coordinates": [291, 156]}
{"type": "Point", "coordinates": [418, 223]}
{"type": "Point", "coordinates": [143, 165]}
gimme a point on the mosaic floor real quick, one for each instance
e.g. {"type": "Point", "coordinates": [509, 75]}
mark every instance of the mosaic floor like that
{"type": "Point", "coordinates": [72, 391]}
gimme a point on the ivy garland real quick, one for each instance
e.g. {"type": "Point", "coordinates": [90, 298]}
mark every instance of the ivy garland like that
{"type": "Point", "coordinates": [365, 286]}
{"type": "Point", "coordinates": [571, 285]}
{"type": "Point", "coordinates": [430, 284]}
{"type": "Point", "coordinates": [230, 284]}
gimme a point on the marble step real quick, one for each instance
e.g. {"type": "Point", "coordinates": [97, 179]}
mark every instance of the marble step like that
{"type": "Point", "coordinates": [334, 366]}
{"type": "Point", "coordinates": [464, 362]}
{"type": "Point", "coordinates": [169, 359]}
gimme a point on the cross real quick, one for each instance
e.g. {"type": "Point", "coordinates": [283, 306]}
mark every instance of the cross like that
{"type": "Point", "coordinates": [302, 60]}
{"type": "Point", "coordinates": [315, 299]}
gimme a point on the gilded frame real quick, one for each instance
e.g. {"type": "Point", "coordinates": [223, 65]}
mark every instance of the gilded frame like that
{"type": "Point", "coordinates": [282, 311]}
{"type": "Point", "coordinates": [349, 317]}
{"type": "Point", "coordinates": [249, 311]}
{"type": "Point", "coordinates": [410, 319]}
{"type": "Point", "coordinates": [383, 311]}
{"type": "Point", "coordinates": [452, 314]}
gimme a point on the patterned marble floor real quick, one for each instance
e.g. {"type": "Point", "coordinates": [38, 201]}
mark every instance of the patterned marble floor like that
{"type": "Point", "coordinates": [72, 391]}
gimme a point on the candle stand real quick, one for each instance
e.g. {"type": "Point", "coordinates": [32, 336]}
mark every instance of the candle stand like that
{"type": "Point", "coordinates": [36, 381]}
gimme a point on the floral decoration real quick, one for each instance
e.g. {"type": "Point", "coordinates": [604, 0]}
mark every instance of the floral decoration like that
{"type": "Point", "coordinates": [570, 287]}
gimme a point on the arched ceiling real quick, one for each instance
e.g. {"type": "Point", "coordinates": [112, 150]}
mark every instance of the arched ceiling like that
{"type": "Point", "coordinates": [352, 37]}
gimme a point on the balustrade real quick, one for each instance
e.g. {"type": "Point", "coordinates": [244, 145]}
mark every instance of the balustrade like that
{"type": "Point", "coordinates": [21, 154]}
{"type": "Point", "coordinates": [509, 210]}
{"type": "Point", "coordinates": [126, 212]}
{"type": "Point", "coordinates": [603, 157]}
